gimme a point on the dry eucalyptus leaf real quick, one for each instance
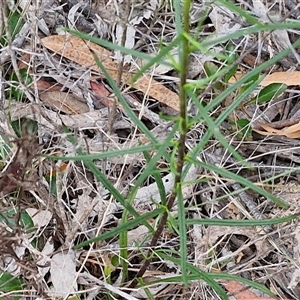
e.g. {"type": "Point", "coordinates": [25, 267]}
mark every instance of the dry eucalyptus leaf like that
{"type": "Point", "coordinates": [64, 102]}
{"type": "Point", "coordinates": [260, 10]}
{"type": "Point", "coordinates": [292, 132]}
{"type": "Point", "coordinates": [40, 217]}
{"type": "Point", "coordinates": [146, 195]}
{"type": "Point", "coordinates": [288, 78]}
{"type": "Point", "coordinates": [45, 257]}
{"type": "Point", "coordinates": [80, 52]}
{"type": "Point", "coordinates": [63, 274]}
{"type": "Point", "coordinates": [97, 118]}
{"type": "Point", "coordinates": [137, 235]}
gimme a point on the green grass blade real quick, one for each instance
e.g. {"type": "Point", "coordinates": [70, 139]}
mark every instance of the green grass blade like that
{"type": "Point", "coordinates": [240, 12]}
{"type": "Point", "coordinates": [107, 154]}
{"type": "Point", "coordinates": [124, 103]}
{"type": "Point", "coordinates": [211, 277]}
{"type": "Point", "coordinates": [102, 178]}
{"type": "Point", "coordinates": [152, 163]}
{"type": "Point", "coordinates": [158, 59]}
{"type": "Point", "coordinates": [250, 30]}
{"type": "Point", "coordinates": [182, 234]}
{"type": "Point", "coordinates": [237, 223]}
{"type": "Point", "coordinates": [199, 274]}
{"type": "Point", "coordinates": [112, 46]}
{"type": "Point", "coordinates": [158, 180]}
{"type": "Point", "coordinates": [123, 227]}
{"type": "Point", "coordinates": [245, 182]}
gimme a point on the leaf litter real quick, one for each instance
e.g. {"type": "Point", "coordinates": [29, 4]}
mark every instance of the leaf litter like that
{"type": "Point", "coordinates": [81, 207]}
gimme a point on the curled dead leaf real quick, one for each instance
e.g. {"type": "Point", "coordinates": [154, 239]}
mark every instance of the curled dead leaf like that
{"type": "Point", "coordinates": [64, 102]}
{"type": "Point", "coordinates": [292, 132]}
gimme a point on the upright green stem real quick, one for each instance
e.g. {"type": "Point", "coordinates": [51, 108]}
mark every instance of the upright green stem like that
{"type": "Point", "coordinates": [184, 60]}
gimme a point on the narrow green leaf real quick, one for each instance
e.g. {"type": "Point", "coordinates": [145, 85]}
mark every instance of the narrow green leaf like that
{"type": "Point", "coordinates": [245, 127]}
{"type": "Point", "coordinates": [209, 42]}
{"type": "Point", "coordinates": [124, 103]}
{"type": "Point", "coordinates": [15, 92]}
{"type": "Point", "coordinates": [182, 234]}
{"type": "Point", "coordinates": [157, 176]}
{"type": "Point", "coordinates": [113, 46]}
{"type": "Point", "coordinates": [103, 179]}
{"type": "Point", "coordinates": [195, 272]}
{"type": "Point", "coordinates": [157, 59]}
{"type": "Point", "coordinates": [245, 182]}
{"type": "Point", "coordinates": [213, 128]}
{"type": "Point", "coordinates": [269, 92]}
{"type": "Point", "coordinates": [123, 227]}
{"type": "Point", "coordinates": [10, 217]}
{"type": "Point", "coordinates": [210, 278]}
{"type": "Point", "coordinates": [240, 12]}
{"type": "Point", "coordinates": [237, 223]}
{"type": "Point", "coordinates": [255, 285]}
{"type": "Point", "coordinates": [9, 283]}
{"type": "Point", "coordinates": [211, 69]}
{"type": "Point", "coordinates": [107, 154]}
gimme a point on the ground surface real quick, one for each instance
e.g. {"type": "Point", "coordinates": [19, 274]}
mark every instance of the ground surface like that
{"type": "Point", "coordinates": [50, 86]}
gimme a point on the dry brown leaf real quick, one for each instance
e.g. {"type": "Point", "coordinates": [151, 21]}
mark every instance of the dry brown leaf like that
{"type": "Point", "coordinates": [292, 129]}
{"type": "Point", "coordinates": [99, 89]}
{"type": "Point", "coordinates": [292, 132]}
{"type": "Point", "coordinates": [294, 135]}
{"type": "Point", "coordinates": [239, 292]}
{"type": "Point", "coordinates": [79, 51]}
{"type": "Point", "coordinates": [51, 119]}
{"type": "Point", "coordinates": [270, 129]}
{"type": "Point", "coordinates": [64, 102]}
{"type": "Point", "coordinates": [288, 78]}
{"type": "Point", "coordinates": [102, 94]}
{"type": "Point", "coordinates": [43, 85]}
{"type": "Point", "coordinates": [63, 274]}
